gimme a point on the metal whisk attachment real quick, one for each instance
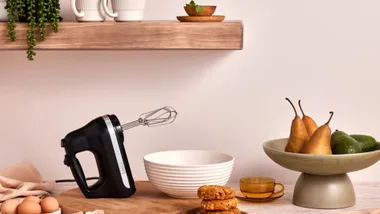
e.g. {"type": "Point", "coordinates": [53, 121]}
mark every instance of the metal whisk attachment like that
{"type": "Point", "coordinates": [161, 116]}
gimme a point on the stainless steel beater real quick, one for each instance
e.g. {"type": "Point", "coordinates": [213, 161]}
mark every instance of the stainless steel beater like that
{"type": "Point", "coordinates": [161, 116]}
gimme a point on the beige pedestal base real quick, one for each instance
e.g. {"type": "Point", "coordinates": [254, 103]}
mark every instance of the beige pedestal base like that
{"type": "Point", "coordinates": [324, 191]}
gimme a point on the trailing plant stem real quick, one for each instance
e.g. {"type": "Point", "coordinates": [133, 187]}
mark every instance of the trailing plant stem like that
{"type": "Point", "coordinates": [11, 9]}
{"type": "Point", "coordinates": [42, 18]}
{"type": "Point", "coordinates": [31, 32]}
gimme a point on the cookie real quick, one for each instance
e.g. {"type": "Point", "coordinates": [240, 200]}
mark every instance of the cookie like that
{"type": "Point", "coordinates": [225, 204]}
{"type": "Point", "coordinates": [215, 192]}
{"type": "Point", "coordinates": [231, 211]}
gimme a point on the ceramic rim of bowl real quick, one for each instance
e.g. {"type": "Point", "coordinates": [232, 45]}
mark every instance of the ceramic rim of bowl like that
{"type": "Point", "coordinates": [188, 175]}
{"type": "Point", "coordinates": [188, 178]}
{"type": "Point", "coordinates": [189, 169]}
{"type": "Point", "coordinates": [231, 159]}
{"type": "Point", "coordinates": [265, 146]}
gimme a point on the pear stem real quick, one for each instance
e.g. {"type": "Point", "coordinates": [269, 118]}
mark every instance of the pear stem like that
{"type": "Point", "coordinates": [295, 111]}
{"type": "Point", "coordinates": [299, 104]}
{"type": "Point", "coordinates": [332, 113]}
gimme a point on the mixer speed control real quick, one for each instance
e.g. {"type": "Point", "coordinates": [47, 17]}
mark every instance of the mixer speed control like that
{"type": "Point", "coordinates": [66, 161]}
{"type": "Point", "coordinates": [63, 143]}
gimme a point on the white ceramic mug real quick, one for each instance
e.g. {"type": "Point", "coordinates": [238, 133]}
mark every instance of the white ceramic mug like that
{"type": "Point", "coordinates": [126, 10]}
{"type": "Point", "coordinates": [3, 11]}
{"type": "Point", "coordinates": [88, 10]}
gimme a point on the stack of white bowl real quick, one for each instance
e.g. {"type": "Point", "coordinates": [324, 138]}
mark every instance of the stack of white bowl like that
{"type": "Point", "coordinates": [180, 173]}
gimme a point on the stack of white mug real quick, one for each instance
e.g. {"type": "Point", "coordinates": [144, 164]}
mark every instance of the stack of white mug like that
{"type": "Point", "coordinates": [97, 10]}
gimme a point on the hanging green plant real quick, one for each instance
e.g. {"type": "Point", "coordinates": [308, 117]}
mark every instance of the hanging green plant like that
{"type": "Point", "coordinates": [37, 13]}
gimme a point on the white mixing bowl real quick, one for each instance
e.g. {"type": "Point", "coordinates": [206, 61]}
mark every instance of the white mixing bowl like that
{"type": "Point", "coordinates": [180, 173]}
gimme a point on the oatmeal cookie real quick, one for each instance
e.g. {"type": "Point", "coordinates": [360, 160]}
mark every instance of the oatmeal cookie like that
{"type": "Point", "coordinates": [231, 211]}
{"type": "Point", "coordinates": [225, 204]}
{"type": "Point", "coordinates": [215, 192]}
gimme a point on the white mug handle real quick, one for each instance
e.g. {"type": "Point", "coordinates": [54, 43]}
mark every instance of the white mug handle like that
{"type": "Point", "coordinates": [76, 12]}
{"type": "Point", "coordinates": [107, 10]}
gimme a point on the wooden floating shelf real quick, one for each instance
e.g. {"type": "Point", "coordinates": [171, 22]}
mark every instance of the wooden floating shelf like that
{"type": "Point", "coordinates": [146, 35]}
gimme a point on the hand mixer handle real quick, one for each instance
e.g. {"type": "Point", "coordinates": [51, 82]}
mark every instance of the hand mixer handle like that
{"type": "Point", "coordinates": [76, 146]}
{"type": "Point", "coordinates": [77, 142]}
{"type": "Point", "coordinates": [78, 173]}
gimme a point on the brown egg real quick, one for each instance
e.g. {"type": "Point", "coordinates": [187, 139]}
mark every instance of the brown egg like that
{"type": "Point", "coordinates": [33, 198]}
{"type": "Point", "coordinates": [49, 205]}
{"type": "Point", "coordinates": [29, 207]}
{"type": "Point", "coordinates": [9, 206]}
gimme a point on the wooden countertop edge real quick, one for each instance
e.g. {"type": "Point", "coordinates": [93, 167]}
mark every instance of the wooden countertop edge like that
{"type": "Point", "coordinates": [366, 193]}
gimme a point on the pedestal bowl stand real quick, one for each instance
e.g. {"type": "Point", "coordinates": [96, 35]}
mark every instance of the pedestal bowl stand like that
{"type": "Point", "coordinates": [323, 183]}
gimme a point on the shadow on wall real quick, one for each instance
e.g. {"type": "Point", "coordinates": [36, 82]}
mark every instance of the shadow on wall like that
{"type": "Point", "coordinates": [83, 69]}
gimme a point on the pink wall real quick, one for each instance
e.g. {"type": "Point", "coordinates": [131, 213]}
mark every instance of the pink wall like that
{"type": "Point", "coordinates": [325, 53]}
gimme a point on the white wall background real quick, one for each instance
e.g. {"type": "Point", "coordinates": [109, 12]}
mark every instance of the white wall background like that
{"type": "Point", "coordinates": [323, 52]}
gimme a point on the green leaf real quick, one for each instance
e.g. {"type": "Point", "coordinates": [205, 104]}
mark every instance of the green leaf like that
{"type": "Point", "coordinates": [192, 3]}
{"type": "Point", "coordinates": [198, 8]}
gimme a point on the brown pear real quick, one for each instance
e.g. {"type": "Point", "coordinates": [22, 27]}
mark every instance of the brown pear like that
{"type": "Point", "coordinates": [298, 134]}
{"type": "Point", "coordinates": [319, 143]}
{"type": "Point", "coordinates": [310, 124]}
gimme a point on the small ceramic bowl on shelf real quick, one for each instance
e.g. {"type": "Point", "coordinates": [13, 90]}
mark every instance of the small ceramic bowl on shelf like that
{"type": "Point", "coordinates": [206, 10]}
{"type": "Point", "coordinates": [180, 173]}
{"type": "Point", "coordinates": [323, 183]}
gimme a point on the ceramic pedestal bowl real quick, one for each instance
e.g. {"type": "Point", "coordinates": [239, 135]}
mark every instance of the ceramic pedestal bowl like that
{"type": "Point", "coordinates": [323, 183]}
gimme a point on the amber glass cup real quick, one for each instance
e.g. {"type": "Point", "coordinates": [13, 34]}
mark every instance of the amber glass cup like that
{"type": "Point", "coordinates": [260, 187]}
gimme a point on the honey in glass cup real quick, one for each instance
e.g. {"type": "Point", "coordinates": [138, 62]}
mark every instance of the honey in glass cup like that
{"type": "Point", "coordinates": [260, 187]}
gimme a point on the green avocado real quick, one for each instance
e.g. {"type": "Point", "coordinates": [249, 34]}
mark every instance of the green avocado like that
{"type": "Point", "coordinates": [342, 143]}
{"type": "Point", "coordinates": [366, 142]}
{"type": "Point", "coordinates": [337, 137]}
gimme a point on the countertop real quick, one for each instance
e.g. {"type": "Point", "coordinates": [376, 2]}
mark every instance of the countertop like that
{"type": "Point", "coordinates": [367, 197]}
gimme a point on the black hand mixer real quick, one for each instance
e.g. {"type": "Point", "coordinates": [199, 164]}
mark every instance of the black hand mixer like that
{"type": "Point", "coordinates": [103, 136]}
